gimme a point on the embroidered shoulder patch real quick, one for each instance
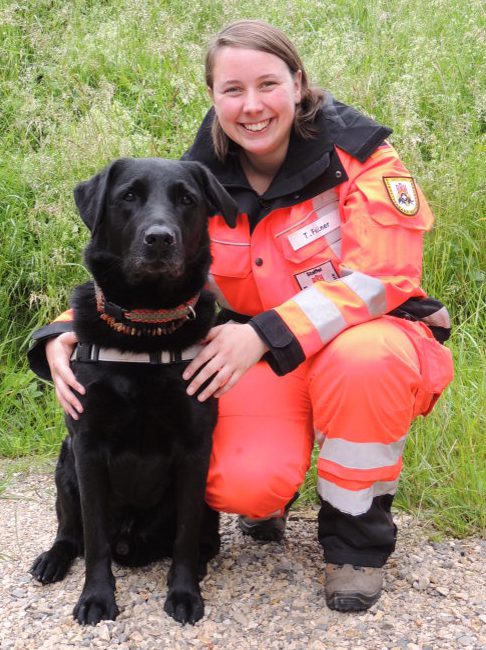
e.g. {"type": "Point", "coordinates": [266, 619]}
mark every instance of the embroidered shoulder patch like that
{"type": "Point", "coordinates": [403, 194]}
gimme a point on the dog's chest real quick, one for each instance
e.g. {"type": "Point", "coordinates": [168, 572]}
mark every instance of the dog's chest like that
{"type": "Point", "coordinates": [145, 427]}
{"type": "Point", "coordinates": [142, 410]}
{"type": "Point", "coordinates": [139, 481]}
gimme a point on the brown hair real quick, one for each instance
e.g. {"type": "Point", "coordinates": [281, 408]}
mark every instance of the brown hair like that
{"type": "Point", "coordinates": [259, 35]}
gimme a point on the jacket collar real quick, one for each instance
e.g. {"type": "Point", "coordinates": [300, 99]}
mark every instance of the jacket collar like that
{"type": "Point", "coordinates": [304, 157]}
{"type": "Point", "coordinates": [352, 131]}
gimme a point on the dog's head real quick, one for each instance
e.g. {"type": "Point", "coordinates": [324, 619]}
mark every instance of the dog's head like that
{"type": "Point", "coordinates": [152, 213]}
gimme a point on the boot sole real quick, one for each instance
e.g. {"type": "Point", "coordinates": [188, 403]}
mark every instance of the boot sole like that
{"type": "Point", "coordinates": [269, 530]}
{"type": "Point", "coordinates": [351, 602]}
{"type": "Point", "coordinates": [262, 533]}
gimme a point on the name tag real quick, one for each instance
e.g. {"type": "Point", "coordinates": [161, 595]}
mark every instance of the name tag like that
{"type": "Point", "coordinates": [324, 272]}
{"type": "Point", "coordinates": [312, 231]}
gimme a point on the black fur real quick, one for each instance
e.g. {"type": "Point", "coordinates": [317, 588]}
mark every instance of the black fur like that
{"type": "Point", "coordinates": [131, 474]}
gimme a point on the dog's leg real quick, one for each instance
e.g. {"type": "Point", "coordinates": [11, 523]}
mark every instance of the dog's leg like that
{"type": "Point", "coordinates": [184, 601]}
{"type": "Point", "coordinates": [210, 540]}
{"type": "Point", "coordinates": [97, 600]}
{"type": "Point", "coordinates": [52, 565]}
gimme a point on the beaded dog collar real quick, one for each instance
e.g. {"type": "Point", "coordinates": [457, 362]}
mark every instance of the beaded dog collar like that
{"type": "Point", "coordinates": [147, 322]}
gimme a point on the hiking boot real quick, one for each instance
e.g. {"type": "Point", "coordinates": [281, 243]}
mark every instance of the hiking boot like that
{"type": "Point", "coordinates": [352, 588]}
{"type": "Point", "coordinates": [269, 529]}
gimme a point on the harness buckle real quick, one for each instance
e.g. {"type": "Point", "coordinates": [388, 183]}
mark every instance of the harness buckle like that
{"type": "Point", "coordinates": [86, 352]}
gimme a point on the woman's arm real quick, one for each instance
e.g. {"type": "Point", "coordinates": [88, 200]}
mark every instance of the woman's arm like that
{"type": "Point", "coordinates": [50, 357]}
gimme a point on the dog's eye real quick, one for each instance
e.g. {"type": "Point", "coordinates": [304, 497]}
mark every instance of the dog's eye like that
{"type": "Point", "coordinates": [128, 196]}
{"type": "Point", "coordinates": [187, 199]}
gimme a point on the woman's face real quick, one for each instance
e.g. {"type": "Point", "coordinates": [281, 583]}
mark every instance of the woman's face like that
{"type": "Point", "coordinates": [254, 95]}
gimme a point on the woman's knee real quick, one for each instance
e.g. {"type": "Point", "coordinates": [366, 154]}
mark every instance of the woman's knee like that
{"type": "Point", "coordinates": [375, 348]}
{"type": "Point", "coordinates": [363, 386]}
{"type": "Point", "coordinates": [262, 444]}
{"type": "Point", "coordinates": [257, 475]}
{"type": "Point", "coordinates": [254, 492]}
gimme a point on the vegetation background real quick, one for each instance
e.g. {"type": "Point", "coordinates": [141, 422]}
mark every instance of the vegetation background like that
{"type": "Point", "coordinates": [86, 81]}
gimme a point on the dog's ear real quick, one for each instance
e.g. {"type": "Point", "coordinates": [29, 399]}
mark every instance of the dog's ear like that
{"type": "Point", "coordinates": [90, 197]}
{"type": "Point", "coordinates": [219, 200]}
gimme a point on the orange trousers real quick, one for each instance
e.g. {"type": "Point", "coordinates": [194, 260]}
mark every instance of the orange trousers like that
{"type": "Point", "coordinates": [357, 397]}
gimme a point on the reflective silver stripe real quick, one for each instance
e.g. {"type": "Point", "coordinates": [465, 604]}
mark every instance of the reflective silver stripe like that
{"type": "Point", "coordinates": [350, 501]}
{"type": "Point", "coordinates": [333, 236]}
{"type": "Point", "coordinates": [166, 356]}
{"type": "Point", "coordinates": [329, 197]}
{"type": "Point", "coordinates": [439, 318]}
{"type": "Point", "coordinates": [336, 248]}
{"type": "Point", "coordinates": [322, 313]}
{"type": "Point", "coordinates": [369, 289]}
{"type": "Point", "coordinates": [362, 455]}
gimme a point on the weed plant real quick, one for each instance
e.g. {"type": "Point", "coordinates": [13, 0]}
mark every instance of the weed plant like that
{"type": "Point", "coordinates": [83, 82]}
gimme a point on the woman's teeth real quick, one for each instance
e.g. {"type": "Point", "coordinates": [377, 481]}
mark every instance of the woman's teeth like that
{"type": "Point", "coordinates": [259, 126]}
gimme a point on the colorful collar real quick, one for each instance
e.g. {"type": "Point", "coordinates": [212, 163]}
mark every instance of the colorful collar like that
{"type": "Point", "coordinates": [148, 322]}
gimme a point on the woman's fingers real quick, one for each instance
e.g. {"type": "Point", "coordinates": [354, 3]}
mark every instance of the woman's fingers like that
{"type": "Point", "coordinates": [58, 353]}
{"type": "Point", "coordinates": [210, 367]}
{"type": "Point", "coordinates": [220, 378]}
{"type": "Point", "coordinates": [69, 402]}
{"type": "Point", "coordinates": [232, 349]}
{"type": "Point", "coordinates": [227, 385]}
{"type": "Point", "coordinates": [206, 354]}
{"type": "Point", "coordinates": [63, 372]}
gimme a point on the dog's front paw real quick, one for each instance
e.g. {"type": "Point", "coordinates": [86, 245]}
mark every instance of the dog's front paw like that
{"type": "Point", "coordinates": [92, 607]}
{"type": "Point", "coordinates": [184, 606]}
{"type": "Point", "coordinates": [52, 565]}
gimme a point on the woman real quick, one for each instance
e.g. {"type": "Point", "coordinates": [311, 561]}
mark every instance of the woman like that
{"type": "Point", "coordinates": [326, 330]}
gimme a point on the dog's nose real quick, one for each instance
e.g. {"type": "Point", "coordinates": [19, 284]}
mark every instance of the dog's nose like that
{"type": "Point", "coordinates": [159, 237]}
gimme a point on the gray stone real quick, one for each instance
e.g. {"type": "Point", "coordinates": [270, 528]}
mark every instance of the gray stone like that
{"type": "Point", "coordinates": [257, 595]}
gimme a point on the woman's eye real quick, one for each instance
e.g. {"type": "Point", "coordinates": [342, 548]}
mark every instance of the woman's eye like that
{"type": "Point", "coordinates": [129, 196]}
{"type": "Point", "coordinates": [232, 90]}
{"type": "Point", "coordinates": [187, 199]}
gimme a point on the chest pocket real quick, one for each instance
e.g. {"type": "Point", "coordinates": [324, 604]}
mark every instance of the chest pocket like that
{"type": "Point", "coordinates": [230, 259]}
{"type": "Point", "coordinates": [316, 231]}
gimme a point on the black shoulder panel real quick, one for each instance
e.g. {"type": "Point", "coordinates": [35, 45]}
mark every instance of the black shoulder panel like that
{"type": "Point", "coordinates": [356, 133]}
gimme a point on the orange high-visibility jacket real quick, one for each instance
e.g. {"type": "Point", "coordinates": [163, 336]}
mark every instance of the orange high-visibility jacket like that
{"type": "Point", "coordinates": [335, 241]}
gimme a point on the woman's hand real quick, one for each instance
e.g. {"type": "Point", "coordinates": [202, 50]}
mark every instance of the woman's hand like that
{"type": "Point", "coordinates": [230, 351]}
{"type": "Point", "coordinates": [58, 352]}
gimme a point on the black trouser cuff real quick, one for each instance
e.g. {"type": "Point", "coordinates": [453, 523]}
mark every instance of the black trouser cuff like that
{"type": "Point", "coordinates": [363, 540]}
{"type": "Point", "coordinates": [348, 556]}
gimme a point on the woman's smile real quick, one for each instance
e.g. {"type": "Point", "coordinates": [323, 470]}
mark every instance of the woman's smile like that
{"type": "Point", "coordinates": [257, 127]}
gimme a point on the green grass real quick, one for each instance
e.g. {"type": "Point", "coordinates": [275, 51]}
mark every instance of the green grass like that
{"type": "Point", "coordinates": [82, 82]}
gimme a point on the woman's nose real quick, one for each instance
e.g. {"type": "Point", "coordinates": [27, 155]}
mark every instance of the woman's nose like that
{"type": "Point", "coordinates": [253, 102]}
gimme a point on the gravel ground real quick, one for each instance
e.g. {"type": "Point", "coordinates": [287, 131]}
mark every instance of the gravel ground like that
{"type": "Point", "coordinates": [258, 596]}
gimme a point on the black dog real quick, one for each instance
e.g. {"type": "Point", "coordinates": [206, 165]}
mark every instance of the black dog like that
{"type": "Point", "coordinates": [131, 475]}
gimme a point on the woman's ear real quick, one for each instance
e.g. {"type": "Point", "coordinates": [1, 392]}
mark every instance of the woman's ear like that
{"type": "Point", "coordinates": [298, 86]}
{"type": "Point", "coordinates": [210, 93]}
